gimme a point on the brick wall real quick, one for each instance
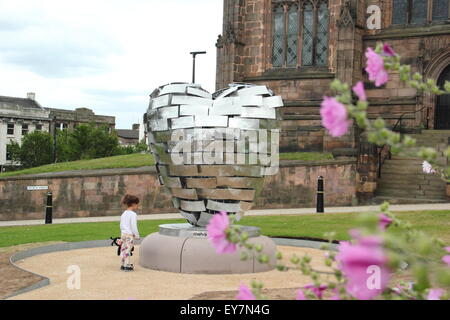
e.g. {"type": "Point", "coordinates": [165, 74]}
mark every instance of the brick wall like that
{"type": "Point", "coordinates": [295, 185]}
{"type": "Point", "coordinates": [98, 192]}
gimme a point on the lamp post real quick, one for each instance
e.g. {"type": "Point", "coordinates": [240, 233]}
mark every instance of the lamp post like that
{"type": "Point", "coordinates": [194, 54]}
{"type": "Point", "coordinates": [54, 139]}
{"type": "Point", "coordinates": [320, 200]}
{"type": "Point", "coordinates": [49, 209]}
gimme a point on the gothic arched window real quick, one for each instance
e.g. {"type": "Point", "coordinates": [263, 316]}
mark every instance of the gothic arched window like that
{"type": "Point", "coordinates": [292, 36]}
{"type": "Point", "coordinates": [315, 34]}
{"type": "Point", "coordinates": [278, 37]}
{"type": "Point", "coordinates": [285, 35]}
{"type": "Point", "coordinates": [419, 11]}
{"type": "Point", "coordinates": [300, 20]}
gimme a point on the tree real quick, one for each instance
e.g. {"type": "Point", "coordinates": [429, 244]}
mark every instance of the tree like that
{"type": "Point", "coordinates": [36, 149]}
{"type": "Point", "coordinates": [13, 149]}
{"type": "Point", "coordinates": [64, 150]}
{"type": "Point", "coordinates": [86, 141]}
{"type": "Point", "coordinates": [141, 146]}
{"type": "Point", "coordinates": [130, 149]}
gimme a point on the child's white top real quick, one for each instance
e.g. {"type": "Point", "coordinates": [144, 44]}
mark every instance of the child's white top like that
{"type": "Point", "coordinates": [128, 223]}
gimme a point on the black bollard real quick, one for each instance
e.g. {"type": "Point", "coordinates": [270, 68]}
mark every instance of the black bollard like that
{"type": "Point", "coordinates": [49, 208]}
{"type": "Point", "coordinates": [320, 205]}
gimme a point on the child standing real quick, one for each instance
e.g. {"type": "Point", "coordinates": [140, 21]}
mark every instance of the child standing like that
{"type": "Point", "coordinates": [129, 231]}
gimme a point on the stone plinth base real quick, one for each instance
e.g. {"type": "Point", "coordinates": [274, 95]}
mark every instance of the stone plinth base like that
{"type": "Point", "coordinates": [183, 248]}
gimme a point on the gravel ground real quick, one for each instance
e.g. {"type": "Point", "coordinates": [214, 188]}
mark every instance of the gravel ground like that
{"type": "Point", "coordinates": [102, 279]}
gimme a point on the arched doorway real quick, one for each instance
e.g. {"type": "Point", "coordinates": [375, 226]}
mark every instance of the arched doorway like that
{"type": "Point", "coordinates": [442, 110]}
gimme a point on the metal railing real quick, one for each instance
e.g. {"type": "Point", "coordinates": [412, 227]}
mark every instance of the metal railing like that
{"type": "Point", "coordinates": [399, 121]}
{"type": "Point", "coordinates": [398, 128]}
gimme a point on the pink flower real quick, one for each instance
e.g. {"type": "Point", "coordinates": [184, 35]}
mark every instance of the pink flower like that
{"type": "Point", "coordinates": [300, 295]}
{"type": "Point", "coordinates": [358, 89]}
{"type": "Point", "coordinates": [435, 294]}
{"type": "Point", "coordinates": [217, 228]}
{"type": "Point", "coordinates": [388, 51]}
{"type": "Point", "coordinates": [355, 233]}
{"type": "Point", "coordinates": [364, 264]}
{"type": "Point", "coordinates": [334, 117]}
{"type": "Point", "coordinates": [446, 258]}
{"type": "Point", "coordinates": [371, 241]}
{"type": "Point", "coordinates": [375, 68]}
{"type": "Point", "coordinates": [245, 293]}
{"type": "Point", "coordinates": [384, 221]}
{"type": "Point", "coordinates": [318, 291]}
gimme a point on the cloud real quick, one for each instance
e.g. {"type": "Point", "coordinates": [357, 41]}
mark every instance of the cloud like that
{"type": "Point", "coordinates": [49, 46]}
{"type": "Point", "coordinates": [113, 93]}
{"type": "Point", "coordinates": [57, 52]}
{"type": "Point", "coordinates": [107, 55]}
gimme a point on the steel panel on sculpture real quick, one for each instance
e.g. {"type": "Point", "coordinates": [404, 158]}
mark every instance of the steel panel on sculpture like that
{"type": "Point", "coordinates": [212, 151]}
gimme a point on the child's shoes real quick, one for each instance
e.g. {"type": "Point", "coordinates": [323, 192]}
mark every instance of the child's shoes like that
{"type": "Point", "coordinates": [127, 268]}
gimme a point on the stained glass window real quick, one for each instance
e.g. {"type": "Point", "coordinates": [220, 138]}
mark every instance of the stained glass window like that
{"type": "Point", "coordinates": [440, 10]}
{"type": "Point", "coordinates": [307, 42]}
{"type": "Point", "coordinates": [314, 18]}
{"type": "Point", "coordinates": [416, 11]}
{"type": "Point", "coordinates": [278, 37]}
{"type": "Point", "coordinates": [322, 35]}
{"type": "Point", "coordinates": [292, 38]}
{"type": "Point", "coordinates": [419, 11]}
{"type": "Point", "coordinates": [400, 12]}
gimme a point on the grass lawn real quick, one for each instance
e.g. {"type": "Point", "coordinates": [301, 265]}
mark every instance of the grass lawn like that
{"type": "Point", "coordinates": [306, 156]}
{"type": "Point", "coordinates": [138, 160]}
{"type": "Point", "coordinates": [435, 223]}
{"type": "Point", "coordinates": [126, 161]}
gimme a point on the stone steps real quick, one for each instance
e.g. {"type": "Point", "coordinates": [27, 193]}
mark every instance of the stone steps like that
{"type": "Point", "coordinates": [436, 132]}
{"type": "Point", "coordinates": [396, 192]}
{"type": "Point", "coordinates": [402, 177]}
{"type": "Point", "coordinates": [402, 157]}
{"type": "Point", "coordinates": [400, 200]}
{"type": "Point", "coordinates": [403, 161]}
{"type": "Point", "coordinates": [408, 186]}
{"type": "Point", "coordinates": [409, 176]}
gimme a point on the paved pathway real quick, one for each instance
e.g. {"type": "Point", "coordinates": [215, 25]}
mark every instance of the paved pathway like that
{"type": "Point", "coordinates": [296, 211]}
{"type": "Point", "coordinates": [102, 279]}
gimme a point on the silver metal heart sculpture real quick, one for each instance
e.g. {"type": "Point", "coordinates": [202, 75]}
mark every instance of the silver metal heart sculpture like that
{"type": "Point", "coordinates": [212, 151]}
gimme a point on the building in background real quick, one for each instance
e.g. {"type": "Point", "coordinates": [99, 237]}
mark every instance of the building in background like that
{"type": "Point", "coordinates": [69, 119]}
{"type": "Point", "coordinates": [19, 116]}
{"type": "Point", "coordinates": [297, 48]}
{"type": "Point", "coordinates": [129, 137]}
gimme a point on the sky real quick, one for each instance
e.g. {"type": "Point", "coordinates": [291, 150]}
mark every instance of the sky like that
{"type": "Point", "coordinates": [106, 55]}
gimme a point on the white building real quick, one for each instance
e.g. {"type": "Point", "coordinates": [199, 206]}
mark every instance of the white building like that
{"type": "Point", "coordinates": [19, 116]}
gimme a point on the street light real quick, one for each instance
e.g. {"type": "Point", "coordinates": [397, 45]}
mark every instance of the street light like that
{"type": "Point", "coordinates": [194, 54]}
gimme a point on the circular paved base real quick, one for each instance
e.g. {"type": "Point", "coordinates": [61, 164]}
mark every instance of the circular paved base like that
{"type": "Point", "coordinates": [187, 230]}
{"type": "Point", "coordinates": [102, 279]}
{"type": "Point", "coordinates": [196, 255]}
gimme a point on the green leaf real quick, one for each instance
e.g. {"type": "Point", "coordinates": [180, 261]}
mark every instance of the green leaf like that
{"type": "Point", "coordinates": [420, 272]}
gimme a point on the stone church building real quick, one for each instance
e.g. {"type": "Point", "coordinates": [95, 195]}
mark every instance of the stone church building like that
{"type": "Point", "coordinates": [297, 47]}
